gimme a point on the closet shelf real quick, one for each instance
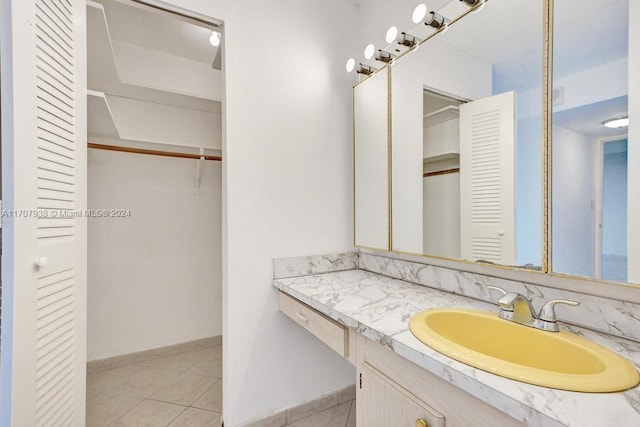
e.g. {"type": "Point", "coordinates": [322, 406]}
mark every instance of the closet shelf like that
{"type": "Point", "coordinates": [440, 157]}
{"type": "Point", "coordinates": [450, 112]}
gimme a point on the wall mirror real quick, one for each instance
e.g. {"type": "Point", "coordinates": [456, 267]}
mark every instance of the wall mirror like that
{"type": "Point", "coordinates": [595, 194]}
{"type": "Point", "coordinates": [371, 161]}
{"type": "Point", "coordinates": [467, 138]}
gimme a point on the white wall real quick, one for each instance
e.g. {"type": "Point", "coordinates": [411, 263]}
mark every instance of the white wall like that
{"type": "Point", "coordinates": [288, 188]}
{"type": "Point", "coordinates": [573, 236]}
{"type": "Point", "coordinates": [154, 279]}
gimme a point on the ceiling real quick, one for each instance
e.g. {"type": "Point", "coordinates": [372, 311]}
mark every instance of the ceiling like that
{"type": "Point", "coordinates": [588, 119]}
{"type": "Point", "coordinates": [159, 31]}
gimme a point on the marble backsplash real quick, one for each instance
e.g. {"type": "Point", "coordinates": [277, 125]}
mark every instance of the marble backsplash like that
{"type": "Point", "coordinates": [304, 266]}
{"type": "Point", "coordinates": [603, 314]}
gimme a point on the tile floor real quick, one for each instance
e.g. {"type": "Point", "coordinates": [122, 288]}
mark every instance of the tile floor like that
{"type": "Point", "coordinates": [343, 415]}
{"type": "Point", "coordinates": [178, 390]}
{"type": "Point", "coordinates": [183, 389]}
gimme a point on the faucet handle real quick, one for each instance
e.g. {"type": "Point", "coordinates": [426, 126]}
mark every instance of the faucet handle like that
{"type": "Point", "coordinates": [548, 313]}
{"type": "Point", "coordinates": [496, 288]}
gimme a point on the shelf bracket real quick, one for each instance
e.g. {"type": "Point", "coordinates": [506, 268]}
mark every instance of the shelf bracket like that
{"type": "Point", "coordinates": [199, 165]}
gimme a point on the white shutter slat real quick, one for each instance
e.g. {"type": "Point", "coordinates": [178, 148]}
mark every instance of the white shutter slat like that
{"type": "Point", "coordinates": [487, 179]}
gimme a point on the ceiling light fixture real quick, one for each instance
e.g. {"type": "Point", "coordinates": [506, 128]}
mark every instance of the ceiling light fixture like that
{"type": "Point", "coordinates": [392, 34]}
{"type": "Point", "coordinates": [215, 38]}
{"type": "Point", "coordinates": [369, 51]}
{"type": "Point", "coordinates": [351, 64]}
{"type": "Point", "coordinates": [620, 122]}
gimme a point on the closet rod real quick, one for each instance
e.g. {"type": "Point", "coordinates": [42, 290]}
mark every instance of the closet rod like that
{"type": "Point", "coordinates": [442, 172]}
{"type": "Point", "coordinates": [152, 152]}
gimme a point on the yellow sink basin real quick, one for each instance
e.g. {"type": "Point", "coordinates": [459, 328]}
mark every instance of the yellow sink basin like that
{"type": "Point", "coordinates": [551, 359]}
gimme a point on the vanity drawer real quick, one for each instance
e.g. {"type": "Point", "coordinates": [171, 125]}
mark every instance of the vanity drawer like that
{"type": "Point", "coordinates": [325, 329]}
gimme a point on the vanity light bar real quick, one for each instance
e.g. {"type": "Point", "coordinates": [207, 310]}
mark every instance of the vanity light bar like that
{"type": "Point", "coordinates": [421, 14]}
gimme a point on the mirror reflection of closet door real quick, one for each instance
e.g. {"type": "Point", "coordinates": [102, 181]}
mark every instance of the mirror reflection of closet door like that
{"type": "Point", "coordinates": [371, 161]}
{"type": "Point", "coordinates": [487, 179]}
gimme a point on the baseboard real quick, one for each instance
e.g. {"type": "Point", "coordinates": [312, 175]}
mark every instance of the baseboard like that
{"type": "Point", "coordinates": [291, 415]}
{"type": "Point", "coordinates": [126, 359]}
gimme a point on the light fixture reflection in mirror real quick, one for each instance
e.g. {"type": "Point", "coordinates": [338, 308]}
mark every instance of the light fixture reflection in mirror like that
{"type": "Point", "coordinates": [621, 122]}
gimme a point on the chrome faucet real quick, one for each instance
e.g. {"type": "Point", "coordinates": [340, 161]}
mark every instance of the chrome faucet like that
{"type": "Point", "coordinates": [517, 308]}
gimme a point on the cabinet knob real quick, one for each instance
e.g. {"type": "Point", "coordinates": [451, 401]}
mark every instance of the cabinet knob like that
{"type": "Point", "coordinates": [41, 262]}
{"type": "Point", "coordinates": [421, 423]}
{"type": "Point", "coordinates": [500, 232]}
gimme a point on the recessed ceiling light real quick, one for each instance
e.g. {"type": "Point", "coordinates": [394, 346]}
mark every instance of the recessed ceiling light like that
{"type": "Point", "coordinates": [215, 38]}
{"type": "Point", "coordinates": [620, 122]}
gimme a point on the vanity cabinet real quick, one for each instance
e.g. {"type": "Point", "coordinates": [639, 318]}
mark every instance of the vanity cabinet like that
{"type": "Point", "coordinates": [384, 403]}
{"type": "Point", "coordinates": [391, 391]}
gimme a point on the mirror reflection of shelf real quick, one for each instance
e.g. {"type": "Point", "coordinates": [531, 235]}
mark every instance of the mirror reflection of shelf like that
{"type": "Point", "coordinates": [440, 157]}
{"type": "Point", "coordinates": [450, 112]}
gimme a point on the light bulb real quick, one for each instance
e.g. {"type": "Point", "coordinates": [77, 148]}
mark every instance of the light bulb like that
{"type": "Point", "coordinates": [419, 13]}
{"type": "Point", "coordinates": [392, 34]}
{"type": "Point", "coordinates": [351, 64]}
{"type": "Point", "coordinates": [369, 51]}
{"type": "Point", "coordinates": [621, 122]}
{"type": "Point", "coordinates": [215, 38]}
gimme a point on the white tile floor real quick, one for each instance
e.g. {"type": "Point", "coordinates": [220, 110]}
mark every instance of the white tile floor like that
{"type": "Point", "coordinates": [179, 390]}
{"type": "Point", "coordinates": [184, 389]}
{"type": "Point", "coordinates": [343, 415]}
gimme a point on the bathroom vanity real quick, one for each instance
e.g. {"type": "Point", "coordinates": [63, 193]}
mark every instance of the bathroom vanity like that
{"type": "Point", "coordinates": [364, 316]}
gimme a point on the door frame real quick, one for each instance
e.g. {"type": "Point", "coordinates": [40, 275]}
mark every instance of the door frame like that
{"type": "Point", "coordinates": [598, 199]}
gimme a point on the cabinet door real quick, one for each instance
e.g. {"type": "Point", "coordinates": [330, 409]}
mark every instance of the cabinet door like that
{"type": "Point", "coordinates": [386, 404]}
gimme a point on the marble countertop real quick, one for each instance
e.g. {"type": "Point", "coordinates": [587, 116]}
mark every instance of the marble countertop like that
{"type": "Point", "coordinates": [380, 307]}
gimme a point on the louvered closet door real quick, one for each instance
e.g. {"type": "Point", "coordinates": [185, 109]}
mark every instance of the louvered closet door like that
{"type": "Point", "coordinates": [44, 187]}
{"type": "Point", "coordinates": [487, 179]}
